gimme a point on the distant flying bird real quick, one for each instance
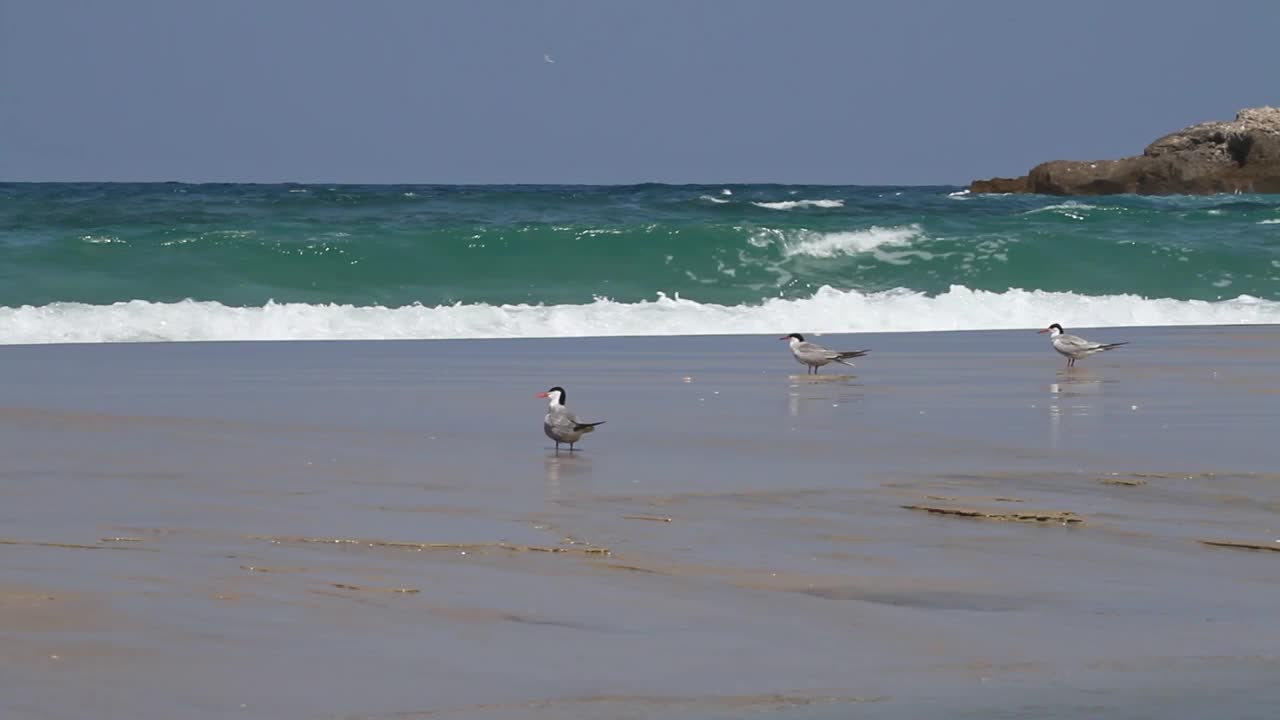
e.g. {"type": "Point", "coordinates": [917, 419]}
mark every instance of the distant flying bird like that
{"type": "Point", "coordinates": [1073, 347]}
{"type": "Point", "coordinates": [548, 58]}
{"type": "Point", "coordinates": [815, 356]}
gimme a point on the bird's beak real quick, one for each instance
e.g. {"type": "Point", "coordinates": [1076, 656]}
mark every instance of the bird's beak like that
{"type": "Point", "coordinates": [785, 337]}
{"type": "Point", "coordinates": [542, 395]}
{"type": "Point", "coordinates": [1043, 331]}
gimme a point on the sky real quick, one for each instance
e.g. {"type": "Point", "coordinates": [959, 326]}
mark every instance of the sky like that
{"type": "Point", "coordinates": [907, 92]}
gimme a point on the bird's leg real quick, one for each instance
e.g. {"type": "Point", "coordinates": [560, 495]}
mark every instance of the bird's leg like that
{"type": "Point", "coordinates": [557, 447]}
{"type": "Point", "coordinates": [570, 447]}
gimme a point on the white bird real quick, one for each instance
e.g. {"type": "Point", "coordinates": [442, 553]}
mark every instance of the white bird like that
{"type": "Point", "coordinates": [815, 356]}
{"type": "Point", "coordinates": [547, 57]}
{"type": "Point", "coordinates": [1073, 347]}
{"type": "Point", "coordinates": [561, 425]}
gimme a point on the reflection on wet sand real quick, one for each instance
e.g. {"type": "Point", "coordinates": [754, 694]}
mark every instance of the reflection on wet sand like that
{"type": "Point", "coordinates": [1076, 393]}
{"type": "Point", "coordinates": [1076, 381]}
{"type": "Point", "coordinates": [807, 393]}
{"type": "Point", "coordinates": [562, 468]}
{"type": "Point", "coordinates": [271, 538]}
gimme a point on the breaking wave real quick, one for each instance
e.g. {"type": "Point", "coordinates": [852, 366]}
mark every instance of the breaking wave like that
{"type": "Point", "coordinates": [1069, 206]}
{"type": "Point", "coordinates": [831, 244]}
{"type": "Point", "coordinates": [794, 204]}
{"type": "Point", "coordinates": [827, 310]}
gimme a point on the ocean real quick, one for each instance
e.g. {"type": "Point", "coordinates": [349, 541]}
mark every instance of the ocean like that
{"type": "Point", "coordinates": [178, 262]}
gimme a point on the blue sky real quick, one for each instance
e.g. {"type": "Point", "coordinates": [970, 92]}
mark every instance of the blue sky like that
{"type": "Point", "coordinates": [459, 91]}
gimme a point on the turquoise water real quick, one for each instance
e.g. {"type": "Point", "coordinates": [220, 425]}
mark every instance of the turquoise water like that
{"type": "Point", "coordinates": [197, 261]}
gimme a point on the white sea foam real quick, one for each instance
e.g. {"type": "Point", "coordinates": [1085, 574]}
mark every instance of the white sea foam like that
{"type": "Point", "coordinates": [712, 198]}
{"type": "Point", "coordinates": [1065, 208]}
{"type": "Point", "coordinates": [827, 310]}
{"type": "Point", "coordinates": [1274, 221]}
{"type": "Point", "coordinates": [793, 204]}
{"type": "Point", "coordinates": [831, 244]}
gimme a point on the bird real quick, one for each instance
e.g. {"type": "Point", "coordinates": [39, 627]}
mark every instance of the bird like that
{"type": "Point", "coordinates": [547, 57]}
{"type": "Point", "coordinates": [560, 424]}
{"type": "Point", "coordinates": [815, 356]}
{"type": "Point", "coordinates": [1073, 347]}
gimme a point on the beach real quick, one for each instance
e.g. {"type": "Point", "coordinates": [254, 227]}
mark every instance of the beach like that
{"type": "Point", "coordinates": [959, 527]}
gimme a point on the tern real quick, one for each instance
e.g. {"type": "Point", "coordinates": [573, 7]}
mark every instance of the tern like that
{"type": "Point", "coordinates": [815, 356]}
{"type": "Point", "coordinates": [560, 424]}
{"type": "Point", "coordinates": [1073, 347]}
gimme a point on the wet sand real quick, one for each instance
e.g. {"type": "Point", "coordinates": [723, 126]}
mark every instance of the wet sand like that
{"type": "Point", "coordinates": [958, 528]}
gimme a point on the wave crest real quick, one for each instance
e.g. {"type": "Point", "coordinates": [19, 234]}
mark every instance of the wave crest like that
{"type": "Point", "coordinates": [1070, 205]}
{"type": "Point", "coordinates": [831, 244]}
{"type": "Point", "coordinates": [794, 204]}
{"type": "Point", "coordinates": [827, 310]}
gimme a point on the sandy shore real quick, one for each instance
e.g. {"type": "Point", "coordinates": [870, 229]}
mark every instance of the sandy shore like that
{"type": "Point", "coordinates": [380, 530]}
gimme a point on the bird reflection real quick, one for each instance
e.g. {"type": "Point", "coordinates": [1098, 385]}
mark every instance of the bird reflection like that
{"type": "Point", "coordinates": [563, 470]}
{"type": "Point", "coordinates": [1074, 383]}
{"type": "Point", "coordinates": [1075, 394]}
{"type": "Point", "coordinates": [810, 393]}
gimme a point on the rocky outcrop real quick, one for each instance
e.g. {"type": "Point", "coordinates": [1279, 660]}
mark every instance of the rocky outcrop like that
{"type": "Point", "coordinates": [1242, 155]}
{"type": "Point", "coordinates": [1000, 185]}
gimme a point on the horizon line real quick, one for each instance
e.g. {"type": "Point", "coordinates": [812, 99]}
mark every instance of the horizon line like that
{"type": "Point", "coordinates": [474, 184]}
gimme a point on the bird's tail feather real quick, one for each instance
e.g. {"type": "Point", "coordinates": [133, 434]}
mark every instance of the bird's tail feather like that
{"type": "Point", "coordinates": [852, 354]}
{"type": "Point", "coordinates": [1112, 346]}
{"type": "Point", "coordinates": [587, 427]}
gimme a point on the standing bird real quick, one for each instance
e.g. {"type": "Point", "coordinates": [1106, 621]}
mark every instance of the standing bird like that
{"type": "Point", "coordinates": [560, 424]}
{"type": "Point", "coordinates": [815, 356]}
{"type": "Point", "coordinates": [1074, 347]}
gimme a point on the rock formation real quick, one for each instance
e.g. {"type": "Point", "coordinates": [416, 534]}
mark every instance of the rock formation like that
{"type": "Point", "coordinates": [1214, 157]}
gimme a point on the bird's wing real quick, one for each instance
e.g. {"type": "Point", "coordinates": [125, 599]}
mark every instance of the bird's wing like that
{"type": "Point", "coordinates": [814, 350]}
{"type": "Point", "coordinates": [1077, 343]}
{"type": "Point", "coordinates": [561, 418]}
